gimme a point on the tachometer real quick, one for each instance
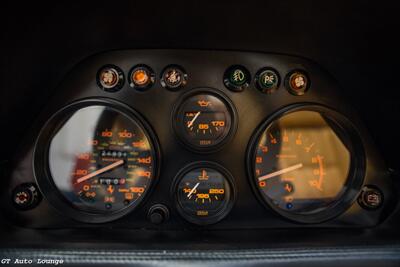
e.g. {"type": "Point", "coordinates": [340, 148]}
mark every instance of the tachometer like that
{"type": "Point", "coordinates": [100, 157]}
{"type": "Point", "coordinates": [303, 164]}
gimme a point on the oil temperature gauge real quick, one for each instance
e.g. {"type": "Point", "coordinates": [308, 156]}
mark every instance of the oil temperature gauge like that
{"type": "Point", "coordinates": [204, 120]}
{"type": "Point", "coordinates": [204, 193]}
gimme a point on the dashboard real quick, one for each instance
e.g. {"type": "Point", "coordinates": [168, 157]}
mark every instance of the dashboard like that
{"type": "Point", "coordinates": [198, 139]}
{"type": "Point", "coordinates": [199, 133]}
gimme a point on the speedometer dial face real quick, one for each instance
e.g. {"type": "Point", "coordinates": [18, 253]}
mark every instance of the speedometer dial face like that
{"type": "Point", "coordinates": [302, 163]}
{"type": "Point", "coordinates": [101, 159]}
{"type": "Point", "coordinates": [204, 120]}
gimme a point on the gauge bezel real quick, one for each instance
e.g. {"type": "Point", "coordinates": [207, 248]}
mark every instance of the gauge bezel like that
{"type": "Point", "coordinates": [151, 81]}
{"type": "Point", "coordinates": [43, 175]}
{"type": "Point", "coordinates": [355, 178]}
{"type": "Point", "coordinates": [120, 83]}
{"type": "Point", "coordinates": [203, 221]}
{"type": "Point", "coordinates": [180, 132]}
{"type": "Point", "coordinates": [177, 87]}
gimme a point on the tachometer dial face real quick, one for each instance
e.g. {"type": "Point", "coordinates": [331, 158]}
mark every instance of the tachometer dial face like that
{"type": "Point", "coordinates": [204, 120]}
{"type": "Point", "coordinates": [204, 193]}
{"type": "Point", "coordinates": [302, 163]}
{"type": "Point", "coordinates": [101, 159]}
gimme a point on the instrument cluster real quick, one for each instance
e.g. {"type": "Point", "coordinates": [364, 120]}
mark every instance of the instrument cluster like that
{"type": "Point", "coordinates": [200, 139]}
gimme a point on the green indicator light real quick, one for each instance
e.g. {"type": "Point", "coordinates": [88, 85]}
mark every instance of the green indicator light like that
{"type": "Point", "coordinates": [268, 79]}
{"type": "Point", "coordinates": [238, 77]}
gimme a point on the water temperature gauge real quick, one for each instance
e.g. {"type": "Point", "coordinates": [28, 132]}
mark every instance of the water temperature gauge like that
{"type": "Point", "coordinates": [204, 193]}
{"type": "Point", "coordinates": [204, 120]}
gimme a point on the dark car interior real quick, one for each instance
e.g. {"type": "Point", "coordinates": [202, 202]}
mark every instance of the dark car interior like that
{"type": "Point", "coordinates": [199, 133]}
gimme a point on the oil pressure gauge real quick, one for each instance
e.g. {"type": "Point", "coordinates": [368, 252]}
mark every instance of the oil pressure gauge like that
{"type": "Point", "coordinates": [204, 120]}
{"type": "Point", "coordinates": [204, 193]}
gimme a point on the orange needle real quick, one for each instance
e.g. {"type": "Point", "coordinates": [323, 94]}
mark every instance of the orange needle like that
{"type": "Point", "coordinates": [100, 171]}
{"type": "Point", "coordinates": [308, 149]}
{"type": "Point", "coordinates": [321, 172]}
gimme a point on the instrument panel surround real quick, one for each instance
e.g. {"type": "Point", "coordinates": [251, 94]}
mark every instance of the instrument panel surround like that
{"type": "Point", "coordinates": [205, 69]}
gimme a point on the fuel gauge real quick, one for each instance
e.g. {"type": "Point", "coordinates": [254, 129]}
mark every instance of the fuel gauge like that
{"type": "Point", "coordinates": [204, 193]}
{"type": "Point", "coordinates": [204, 120]}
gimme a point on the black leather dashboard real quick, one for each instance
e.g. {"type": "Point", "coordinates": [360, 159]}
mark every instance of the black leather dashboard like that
{"type": "Point", "coordinates": [346, 256]}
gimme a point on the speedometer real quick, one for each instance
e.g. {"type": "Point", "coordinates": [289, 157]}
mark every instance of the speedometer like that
{"type": "Point", "coordinates": [100, 159]}
{"type": "Point", "coordinates": [307, 163]}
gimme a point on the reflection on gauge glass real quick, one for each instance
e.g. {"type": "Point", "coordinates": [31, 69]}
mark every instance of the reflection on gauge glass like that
{"type": "Point", "coordinates": [204, 120]}
{"type": "Point", "coordinates": [101, 160]}
{"type": "Point", "coordinates": [302, 163]}
{"type": "Point", "coordinates": [204, 193]}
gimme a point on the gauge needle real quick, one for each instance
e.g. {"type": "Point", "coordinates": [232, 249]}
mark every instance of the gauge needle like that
{"type": "Point", "coordinates": [308, 149]}
{"type": "Point", "coordinates": [193, 189]}
{"type": "Point", "coordinates": [100, 171]}
{"type": "Point", "coordinates": [286, 170]}
{"type": "Point", "coordinates": [193, 120]}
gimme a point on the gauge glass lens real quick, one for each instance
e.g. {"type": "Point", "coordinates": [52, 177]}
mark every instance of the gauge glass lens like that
{"type": "Point", "coordinates": [204, 193]}
{"type": "Point", "coordinates": [101, 160]}
{"type": "Point", "coordinates": [204, 120]}
{"type": "Point", "coordinates": [301, 163]}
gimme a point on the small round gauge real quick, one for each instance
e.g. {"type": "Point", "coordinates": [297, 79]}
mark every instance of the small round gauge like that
{"type": "Point", "coordinates": [204, 120]}
{"type": "Point", "coordinates": [99, 158]}
{"type": "Point", "coordinates": [204, 193]}
{"type": "Point", "coordinates": [303, 164]}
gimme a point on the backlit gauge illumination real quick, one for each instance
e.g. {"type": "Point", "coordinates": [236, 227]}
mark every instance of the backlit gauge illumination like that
{"type": "Point", "coordinates": [204, 193]}
{"type": "Point", "coordinates": [141, 77]}
{"type": "Point", "coordinates": [204, 120]}
{"type": "Point", "coordinates": [303, 164]}
{"type": "Point", "coordinates": [100, 159]}
{"type": "Point", "coordinates": [110, 78]}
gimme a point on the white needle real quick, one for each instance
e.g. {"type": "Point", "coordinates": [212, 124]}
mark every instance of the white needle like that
{"type": "Point", "coordinates": [192, 121]}
{"type": "Point", "coordinates": [273, 174]}
{"type": "Point", "coordinates": [100, 171]}
{"type": "Point", "coordinates": [193, 189]}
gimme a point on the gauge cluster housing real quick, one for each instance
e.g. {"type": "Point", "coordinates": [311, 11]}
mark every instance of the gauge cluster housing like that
{"type": "Point", "coordinates": [252, 107]}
